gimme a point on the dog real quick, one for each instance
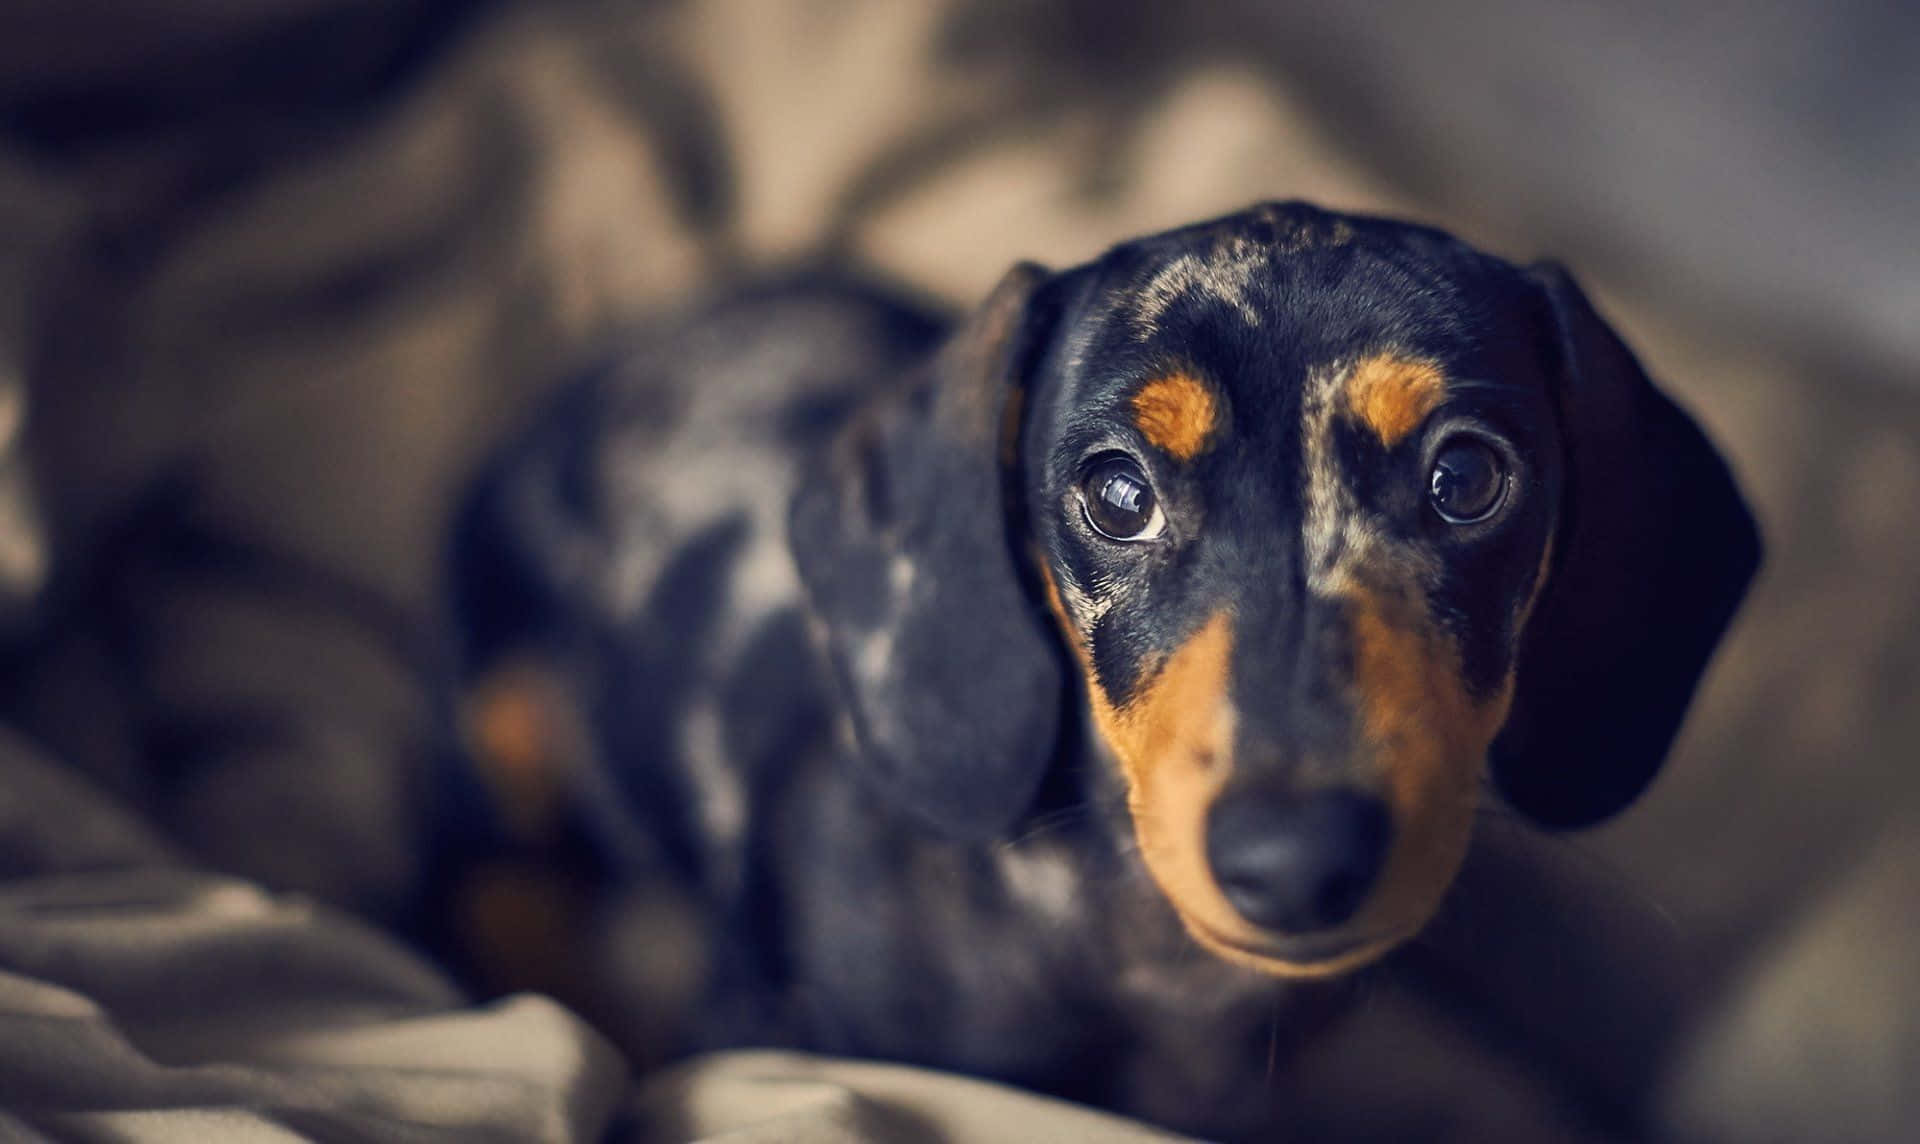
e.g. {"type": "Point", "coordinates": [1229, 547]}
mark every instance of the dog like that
{"type": "Point", "coordinates": [1066, 696]}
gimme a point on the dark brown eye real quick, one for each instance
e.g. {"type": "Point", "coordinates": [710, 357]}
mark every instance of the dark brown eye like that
{"type": "Point", "coordinates": [1468, 482]}
{"type": "Point", "coordinates": [1119, 501]}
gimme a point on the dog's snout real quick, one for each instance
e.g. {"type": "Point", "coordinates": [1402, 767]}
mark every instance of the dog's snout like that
{"type": "Point", "coordinates": [1298, 864]}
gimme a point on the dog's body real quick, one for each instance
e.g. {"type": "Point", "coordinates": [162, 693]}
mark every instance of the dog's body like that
{"type": "Point", "coordinates": [1041, 704]}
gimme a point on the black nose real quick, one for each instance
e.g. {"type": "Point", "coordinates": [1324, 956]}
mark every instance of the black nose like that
{"type": "Point", "coordinates": [1297, 865]}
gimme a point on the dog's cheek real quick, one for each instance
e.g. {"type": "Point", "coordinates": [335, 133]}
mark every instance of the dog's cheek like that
{"type": "Point", "coordinates": [1492, 599]}
{"type": "Point", "coordinates": [1428, 733]}
{"type": "Point", "coordinates": [1070, 617]}
{"type": "Point", "coordinates": [1174, 740]}
{"type": "Point", "coordinates": [1175, 727]}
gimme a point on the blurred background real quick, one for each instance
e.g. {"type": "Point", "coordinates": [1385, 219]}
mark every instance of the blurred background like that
{"type": "Point", "coordinates": [274, 276]}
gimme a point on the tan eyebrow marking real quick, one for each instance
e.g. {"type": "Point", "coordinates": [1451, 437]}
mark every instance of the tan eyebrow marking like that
{"type": "Point", "coordinates": [1176, 414]}
{"type": "Point", "coordinates": [1392, 395]}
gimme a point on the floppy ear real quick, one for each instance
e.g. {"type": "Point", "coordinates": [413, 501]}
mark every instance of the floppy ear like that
{"type": "Point", "coordinates": [1654, 551]}
{"type": "Point", "coordinates": [905, 537]}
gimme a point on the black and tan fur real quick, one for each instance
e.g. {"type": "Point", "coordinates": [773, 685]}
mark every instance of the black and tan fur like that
{"type": "Point", "coordinates": [845, 656]}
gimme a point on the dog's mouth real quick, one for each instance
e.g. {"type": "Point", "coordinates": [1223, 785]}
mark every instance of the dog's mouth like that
{"type": "Point", "coordinates": [1307, 957]}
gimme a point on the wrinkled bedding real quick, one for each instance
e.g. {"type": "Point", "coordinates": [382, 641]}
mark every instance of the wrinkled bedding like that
{"type": "Point", "coordinates": [142, 999]}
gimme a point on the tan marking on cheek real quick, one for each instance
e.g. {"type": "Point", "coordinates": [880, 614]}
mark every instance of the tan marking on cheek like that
{"type": "Point", "coordinates": [1429, 735]}
{"type": "Point", "coordinates": [1392, 395]}
{"type": "Point", "coordinates": [1175, 413]}
{"type": "Point", "coordinates": [1173, 715]}
{"type": "Point", "coordinates": [1173, 740]}
{"type": "Point", "coordinates": [1407, 677]}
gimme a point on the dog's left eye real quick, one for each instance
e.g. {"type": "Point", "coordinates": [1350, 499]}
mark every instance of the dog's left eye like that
{"type": "Point", "coordinates": [1468, 482]}
{"type": "Point", "coordinates": [1120, 503]}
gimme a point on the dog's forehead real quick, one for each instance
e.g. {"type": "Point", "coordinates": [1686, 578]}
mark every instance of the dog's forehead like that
{"type": "Point", "coordinates": [1254, 304]}
{"type": "Point", "coordinates": [1223, 269]}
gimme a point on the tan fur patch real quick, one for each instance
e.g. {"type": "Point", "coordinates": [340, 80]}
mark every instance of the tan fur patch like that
{"type": "Point", "coordinates": [1392, 395]}
{"type": "Point", "coordinates": [524, 741]}
{"type": "Point", "coordinates": [511, 730]}
{"type": "Point", "coordinates": [1176, 413]}
{"type": "Point", "coordinates": [1173, 722]}
{"type": "Point", "coordinates": [1417, 717]}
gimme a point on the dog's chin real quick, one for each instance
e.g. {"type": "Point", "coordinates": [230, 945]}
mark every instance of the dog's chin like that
{"type": "Point", "coordinates": [1300, 958]}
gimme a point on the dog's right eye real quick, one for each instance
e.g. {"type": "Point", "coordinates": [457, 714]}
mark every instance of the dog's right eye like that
{"type": "Point", "coordinates": [1120, 503]}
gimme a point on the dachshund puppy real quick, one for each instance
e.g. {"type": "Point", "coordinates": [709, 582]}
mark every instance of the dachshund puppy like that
{"type": "Point", "coordinates": [1064, 699]}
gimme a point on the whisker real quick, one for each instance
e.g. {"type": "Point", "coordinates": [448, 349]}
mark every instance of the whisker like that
{"type": "Point", "coordinates": [1051, 821]}
{"type": "Point", "coordinates": [1273, 1041]}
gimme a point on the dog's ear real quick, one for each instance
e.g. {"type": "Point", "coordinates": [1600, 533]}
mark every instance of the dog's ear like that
{"type": "Point", "coordinates": [1653, 553]}
{"type": "Point", "coordinates": [905, 537]}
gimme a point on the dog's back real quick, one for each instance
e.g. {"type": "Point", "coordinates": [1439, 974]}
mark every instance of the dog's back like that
{"type": "Point", "coordinates": [634, 542]}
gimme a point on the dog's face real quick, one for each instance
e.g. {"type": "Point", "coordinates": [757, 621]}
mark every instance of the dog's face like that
{"type": "Point", "coordinates": [1328, 514]}
{"type": "Point", "coordinates": [1293, 482]}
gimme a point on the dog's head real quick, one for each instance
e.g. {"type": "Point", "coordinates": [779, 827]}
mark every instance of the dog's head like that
{"type": "Point", "coordinates": [1329, 514]}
